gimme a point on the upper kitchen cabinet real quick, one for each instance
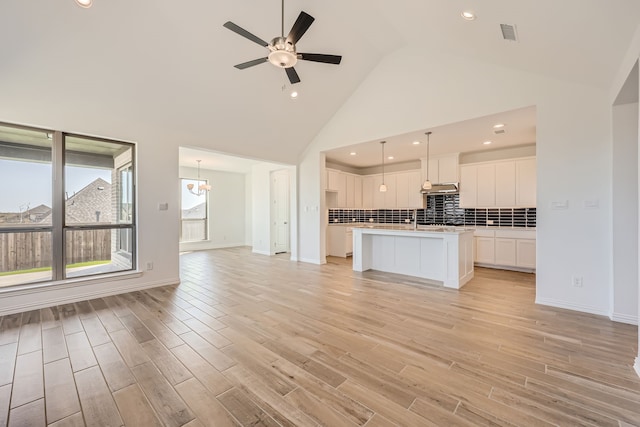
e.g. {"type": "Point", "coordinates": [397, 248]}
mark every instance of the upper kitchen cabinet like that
{"type": "Point", "coordinates": [505, 183]}
{"type": "Point", "coordinates": [337, 181]}
{"type": "Point", "coordinates": [408, 190]}
{"type": "Point", "coordinates": [526, 182]}
{"type": "Point", "coordinates": [443, 168]}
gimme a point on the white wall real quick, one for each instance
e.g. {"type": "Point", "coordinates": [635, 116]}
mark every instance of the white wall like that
{"type": "Point", "coordinates": [227, 209]}
{"type": "Point", "coordinates": [573, 152]}
{"type": "Point", "coordinates": [248, 204]}
{"type": "Point", "coordinates": [624, 302]}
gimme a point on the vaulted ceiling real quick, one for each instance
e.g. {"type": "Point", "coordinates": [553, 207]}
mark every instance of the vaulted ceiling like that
{"type": "Point", "coordinates": [162, 70]}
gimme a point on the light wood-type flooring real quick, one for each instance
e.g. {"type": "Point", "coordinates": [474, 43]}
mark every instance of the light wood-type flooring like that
{"type": "Point", "coordinates": [250, 340]}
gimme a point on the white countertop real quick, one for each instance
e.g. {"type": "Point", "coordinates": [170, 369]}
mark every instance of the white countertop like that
{"type": "Point", "coordinates": [408, 229]}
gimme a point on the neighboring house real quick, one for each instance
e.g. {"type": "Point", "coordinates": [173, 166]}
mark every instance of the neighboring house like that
{"type": "Point", "coordinates": [90, 205]}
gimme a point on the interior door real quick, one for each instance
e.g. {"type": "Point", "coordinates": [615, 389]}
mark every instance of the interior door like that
{"type": "Point", "coordinates": [280, 210]}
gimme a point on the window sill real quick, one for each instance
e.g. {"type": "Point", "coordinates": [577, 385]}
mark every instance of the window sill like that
{"type": "Point", "coordinates": [31, 288]}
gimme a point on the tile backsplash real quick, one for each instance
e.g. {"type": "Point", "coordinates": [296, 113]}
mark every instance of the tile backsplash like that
{"type": "Point", "coordinates": [441, 209]}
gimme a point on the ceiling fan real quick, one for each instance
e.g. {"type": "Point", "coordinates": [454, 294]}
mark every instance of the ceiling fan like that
{"type": "Point", "coordinates": [282, 50]}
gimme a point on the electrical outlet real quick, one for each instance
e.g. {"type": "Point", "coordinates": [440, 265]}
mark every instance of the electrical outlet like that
{"type": "Point", "coordinates": [576, 281]}
{"type": "Point", "coordinates": [149, 266]}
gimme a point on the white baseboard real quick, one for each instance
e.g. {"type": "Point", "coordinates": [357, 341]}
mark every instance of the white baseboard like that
{"type": "Point", "coordinates": [571, 306]}
{"type": "Point", "coordinates": [624, 318]}
{"type": "Point", "coordinates": [637, 365]}
{"type": "Point", "coordinates": [267, 253]}
{"type": "Point", "coordinates": [311, 261]}
{"type": "Point", "coordinates": [293, 258]}
{"type": "Point", "coordinates": [38, 303]}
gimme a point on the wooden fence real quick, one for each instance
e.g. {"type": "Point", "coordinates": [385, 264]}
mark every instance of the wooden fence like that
{"type": "Point", "coordinates": [23, 251]}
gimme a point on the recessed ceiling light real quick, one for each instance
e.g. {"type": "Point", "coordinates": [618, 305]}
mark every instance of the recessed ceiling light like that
{"type": "Point", "coordinates": [84, 3]}
{"type": "Point", "coordinates": [416, 142]}
{"type": "Point", "coordinates": [468, 15]}
{"type": "Point", "coordinates": [390, 157]}
{"type": "Point", "coordinates": [498, 126]}
{"type": "Point", "coordinates": [294, 94]}
{"type": "Point", "coordinates": [353, 153]}
{"type": "Point", "coordinates": [487, 142]}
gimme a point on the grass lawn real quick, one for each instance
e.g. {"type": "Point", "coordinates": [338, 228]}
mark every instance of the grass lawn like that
{"type": "Point", "coordinates": [36, 270]}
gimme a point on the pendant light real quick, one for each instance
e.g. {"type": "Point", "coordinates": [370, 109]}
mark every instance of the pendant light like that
{"type": "Point", "coordinates": [202, 188]}
{"type": "Point", "coordinates": [426, 185]}
{"type": "Point", "coordinates": [383, 186]}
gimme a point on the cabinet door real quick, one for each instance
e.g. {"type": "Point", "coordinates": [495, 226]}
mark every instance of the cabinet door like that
{"type": "Point", "coordinates": [526, 253]}
{"type": "Point", "coordinates": [485, 252]}
{"type": "Point", "coordinates": [378, 197]}
{"type": "Point", "coordinates": [402, 190]}
{"type": "Point", "coordinates": [505, 252]}
{"type": "Point", "coordinates": [526, 183]}
{"type": "Point", "coordinates": [350, 181]}
{"type": "Point", "coordinates": [413, 190]}
{"type": "Point", "coordinates": [367, 192]}
{"type": "Point", "coordinates": [434, 171]}
{"type": "Point", "coordinates": [505, 184]}
{"type": "Point", "coordinates": [486, 181]}
{"type": "Point", "coordinates": [390, 201]}
{"type": "Point", "coordinates": [348, 242]}
{"type": "Point", "coordinates": [468, 186]}
{"type": "Point", "coordinates": [448, 168]}
{"type": "Point", "coordinates": [357, 192]}
{"type": "Point", "coordinates": [332, 180]}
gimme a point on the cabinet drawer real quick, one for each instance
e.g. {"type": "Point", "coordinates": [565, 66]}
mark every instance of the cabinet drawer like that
{"type": "Point", "coordinates": [481, 232]}
{"type": "Point", "coordinates": [515, 234]}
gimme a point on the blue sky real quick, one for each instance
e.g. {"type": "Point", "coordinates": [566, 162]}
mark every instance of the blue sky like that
{"type": "Point", "coordinates": [26, 183]}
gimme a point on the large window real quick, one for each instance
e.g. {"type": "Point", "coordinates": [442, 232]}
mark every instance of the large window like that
{"type": "Point", "coordinates": [66, 206]}
{"type": "Point", "coordinates": [194, 211]}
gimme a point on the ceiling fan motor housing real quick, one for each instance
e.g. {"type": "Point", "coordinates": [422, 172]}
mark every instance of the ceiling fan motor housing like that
{"type": "Point", "coordinates": [282, 53]}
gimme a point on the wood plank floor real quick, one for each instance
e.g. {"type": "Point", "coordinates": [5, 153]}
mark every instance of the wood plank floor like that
{"type": "Point", "coordinates": [249, 340]}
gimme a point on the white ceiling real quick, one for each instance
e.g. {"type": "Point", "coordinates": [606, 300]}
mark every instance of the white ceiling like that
{"type": "Point", "coordinates": [163, 70]}
{"type": "Point", "coordinates": [462, 137]}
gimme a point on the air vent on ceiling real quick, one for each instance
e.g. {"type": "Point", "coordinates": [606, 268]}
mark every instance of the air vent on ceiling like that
{"type": "Point", "coordinates": [498, 131]}
{"type": "Point", "coordinates": [509, 32]}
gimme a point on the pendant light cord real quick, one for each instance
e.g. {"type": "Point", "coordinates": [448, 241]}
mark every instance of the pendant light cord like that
{"type": "Point", "coordinates": [383, 142]}
{"type": "Point", "coordinates": [428, 135]}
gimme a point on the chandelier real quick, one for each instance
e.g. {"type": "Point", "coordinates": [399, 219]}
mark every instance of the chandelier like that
{"type": "Point", "coordinates": [202, 188]}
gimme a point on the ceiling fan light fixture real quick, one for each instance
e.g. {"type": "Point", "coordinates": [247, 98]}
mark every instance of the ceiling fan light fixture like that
{"type": "Point", "coordinates": [84, 3]}
{"type": "Point", "coordinates": [294, 94]}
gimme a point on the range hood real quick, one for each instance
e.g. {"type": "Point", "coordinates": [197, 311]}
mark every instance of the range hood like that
{"type": "Point", "coordinates": [442, 188]}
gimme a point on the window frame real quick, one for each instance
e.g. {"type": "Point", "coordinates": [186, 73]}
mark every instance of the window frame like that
{"type": "Point", "coordinates": [206, 210]}
{"type": "Point", "coordinates": [59, 228]}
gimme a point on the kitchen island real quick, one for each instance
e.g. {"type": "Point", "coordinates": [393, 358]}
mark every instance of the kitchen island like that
{"type": "Point", "coordinates": [441, 254]}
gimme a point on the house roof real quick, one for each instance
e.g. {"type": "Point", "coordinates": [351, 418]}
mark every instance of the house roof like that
{"type": "Point", "coordinates": [147, 64]}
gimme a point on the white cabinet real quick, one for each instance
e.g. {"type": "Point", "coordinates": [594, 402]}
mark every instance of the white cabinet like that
{"type": "Point", "coordinates": [378, 197]}
{"type": "Point", "coordinates": [345, 188]}
{"type": "Point", "coordinates": [485, 250]}
{"type": "Point", "coordinates": [442, 168]}
{"type": "Point", "coordinates": [367, 191]}
{"type": "Point", "coordinates": [526, 253]}
{"type": "Point", "coordinates": [350, 195]}
{"type": "Point", "coordinates": [525, 182]}
{"type": "Point", "coordinates": [390, 194]}
{"type": "Point", "coordinates": [509, 248]}
{"type": "Point", "coordinates": [505, 251]}
{"type": "Point", "coordinates": [468, 186]}
{"type": "Point", "coordinates": [408, 190]}
{"type": "Point", "coordinates": [339, 240]}
{"type": "Point", "coordinates": [357, 191]}
{"type": "Point", "coordinates": [486, 183]}
{"type": "Point", "coordinates": [505, 183]}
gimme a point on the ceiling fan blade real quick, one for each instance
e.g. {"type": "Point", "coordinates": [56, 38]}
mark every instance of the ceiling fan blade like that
{"type": "Point", "coordinates": [244, 33]}
{"type": "Point", "coordinates": [251, 63]}
{"type": "Point", "coordinates": [300, 27]}
{"type": "Point", "coordinates": [318, 57]}
{"type": "Point", "coordinates": [293, 76]}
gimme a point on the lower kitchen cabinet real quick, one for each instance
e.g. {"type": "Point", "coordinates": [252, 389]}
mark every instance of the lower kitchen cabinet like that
{"type": "Point", "coordinates": [339, 240]}
{"type": "Point", "coordinates": [506, 248]}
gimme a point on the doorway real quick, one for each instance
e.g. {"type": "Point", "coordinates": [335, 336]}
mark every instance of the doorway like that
{"type": "Point", "coordinates": [280, 211]}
